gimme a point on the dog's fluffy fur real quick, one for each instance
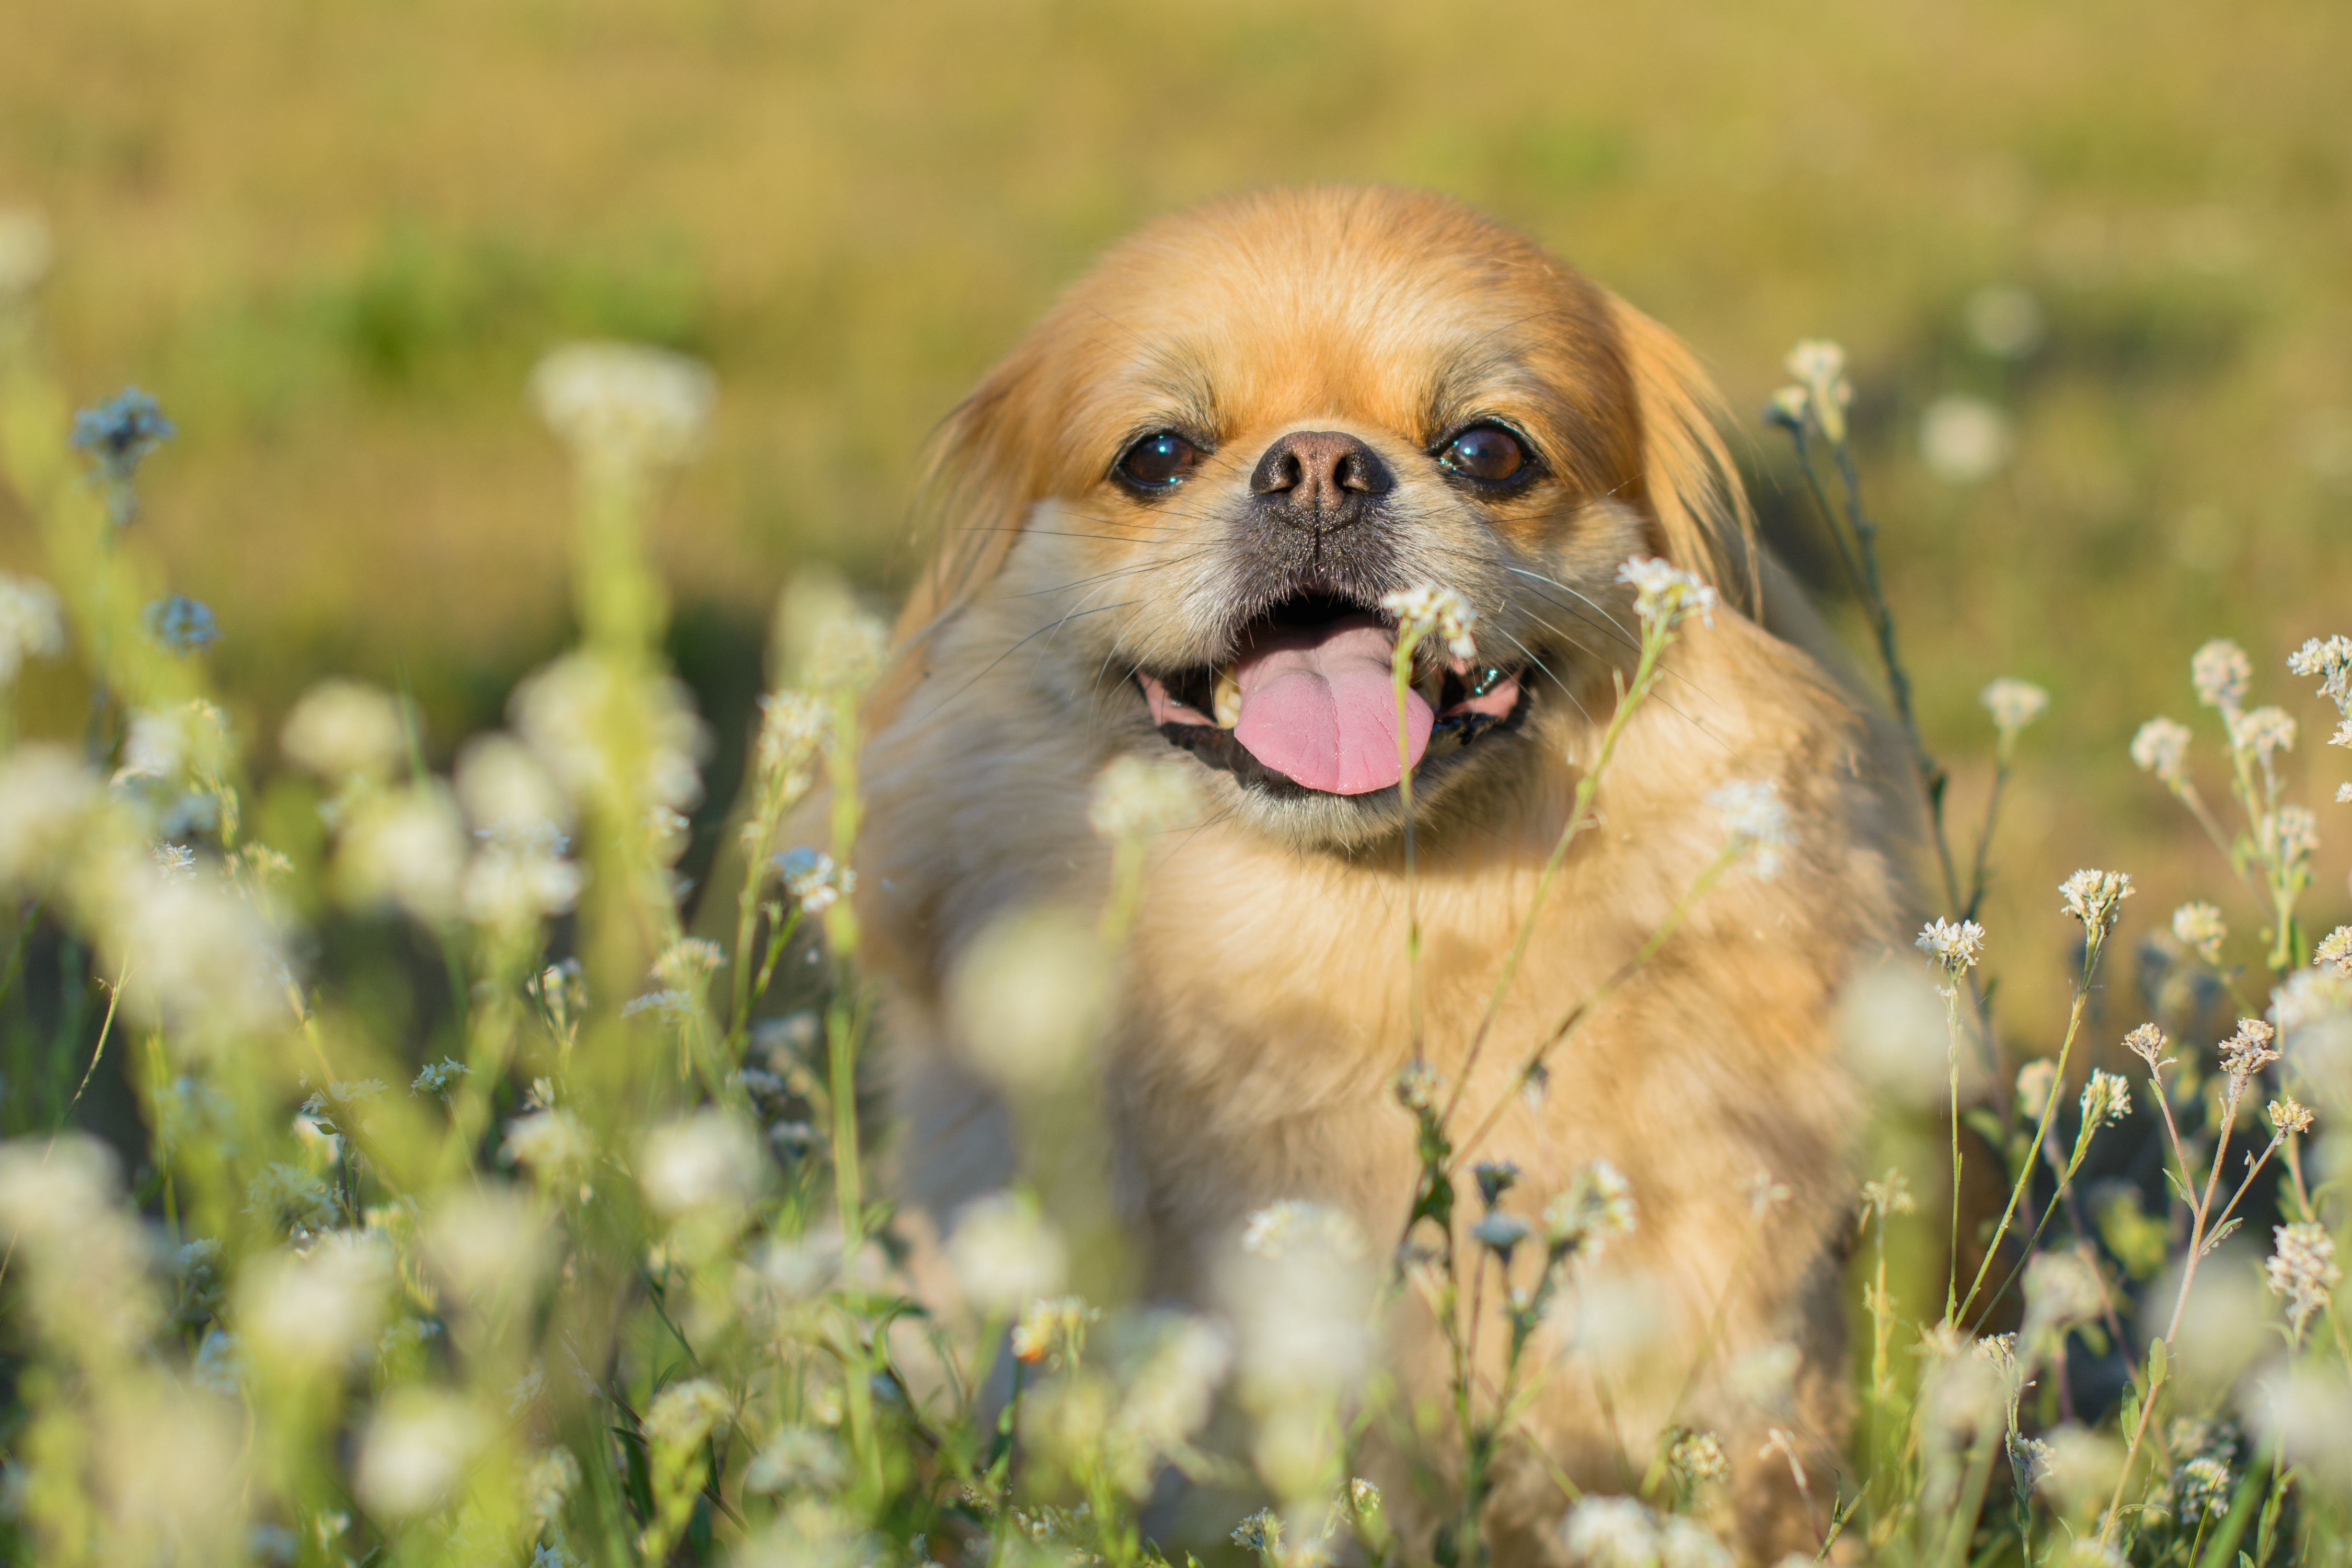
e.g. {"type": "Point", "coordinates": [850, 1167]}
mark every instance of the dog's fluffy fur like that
{"type": "Point", "coordinates": [1262, 1013]}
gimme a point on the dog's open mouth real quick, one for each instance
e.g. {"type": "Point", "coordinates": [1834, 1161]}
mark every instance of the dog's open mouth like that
{"type": "Point", "coordinates": [1308, 702]}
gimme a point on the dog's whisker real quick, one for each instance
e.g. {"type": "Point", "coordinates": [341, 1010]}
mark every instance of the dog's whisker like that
{"type": "Point", "coordinates": [1056, 625]}
{"type": "Point", "coordinates": [1136, 570]}
{"type": "Point", "coordinates": [1556, 680]}
{"type": "Point", "coordinates": [1626, 636]}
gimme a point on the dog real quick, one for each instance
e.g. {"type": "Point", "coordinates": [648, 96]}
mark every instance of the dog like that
{"type": "Point", "coordinates": [1168, 518]}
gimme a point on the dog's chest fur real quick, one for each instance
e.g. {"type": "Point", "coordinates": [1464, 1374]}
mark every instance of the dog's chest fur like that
{"type": "Point", "coordinates": [1266, 1007]}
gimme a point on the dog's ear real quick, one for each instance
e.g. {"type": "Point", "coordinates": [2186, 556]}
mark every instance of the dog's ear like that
{"type": "Point", "coordinates": [1688, 476]}
{"type": "Point", "coordinates": [982, 474]}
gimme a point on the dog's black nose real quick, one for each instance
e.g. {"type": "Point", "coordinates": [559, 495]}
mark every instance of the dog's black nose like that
{"type": "Point", "coordinates": [1319, 479]}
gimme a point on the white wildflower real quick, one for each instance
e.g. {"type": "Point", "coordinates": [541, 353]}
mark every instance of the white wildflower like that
{"type": "Point", "coordinates": [1665, 596]}
{"type": "Point", "coordinates": [2147, 1042]}
{"type": "Point", "coordinates": [1612, 1532]}
{"type": "Point", "coordinates": [2247, 1052]}
{"type": "Point", "coordinates": [549, 1142]}
{"type": "Point", "coordinates": [2036, 1082]}
{"type": "Point", "coordinates": [1684, 1542]}
{"type": "Point", "coordinates": [1963, 439]}
{"type": "Point", "coordinates": [291, 1199]}
{"type": "Point", "coordinates": [2303, 1270]}
{"type": "Point", "coordinates": [2263, 733]}
{"type": "Point", "coordinates": [2334, 951]}
{"type": "Point", "coordinates": [2307, 1412]}
{"type": "Point", "coordinates": [623, 405]}
{"type": "Point", "coordinates": [2287, 838]}
{"type": "Point", "coordinates": [1054, 1327]}
{"type": "Point", "coordinates": [439, 1078]}
{"type": "Point", "coordinates": [415, 1451]}
{"type": "Point", "coordinates": [1431, 612]}
{"type": "Point", "coordinates": [1140, 798]}
{"type": "Point", "coordinates": [1005, 1254]}
{"type": "Point", "coordinates": [548, 1481]}
{"type": "Point", "coordinates": [506, 791]}
{"type": "Point", "coordinates": [797, 1459]}
{"type": "Point", "coordinates": [2331, 661]}
{"type": "Point", "coordinates": [1889, 1195]}
{"type": "Point", "coordinates": [2289, 1115]}
{"type": "Point", "coordinates": [689, 960]}
{"type": "Point", "coordinates": [32, 623]}
{"type": "Point", "coordinates": [1698, 1457]}
{"type": "Point", "coordinates": [812, 880]}
{"type": "Point", "coordinates": [2199, 928]}
{"type": "Point", "coordinates": [1819, 366]}
{"type": "Point", "coordinates": [49, 801]}
{"type": "Point", "coordinates": [316, 1311]}
{"type": "Point", "coordinates": [1755, 822]}
{"type": "Point", "coordinates": [484, 1240]}
{"type": "Point", "coordinates": [2107, 1098]}
{"type": "Point", "coordinates": [1280, 1229]}
{"type": "Point", "coordinates": [684, 1414]}
{"type": "Point", "coordinates": [2200, 1488]}
{"type": "Point", "coordinates": [518, 877]}
{"type": "Point", "coordinates": [2013, 704]}
{"type": "Point", "coordinates": [209, 964]}
{"type": "Point", "coordinates": [1261, 1532]}
{"type": "Point", "coordinates": [2062, 1289]}
{"type": "Point", "coordinates": [792, 727]}
{"type": "Point", "coordinates": [2220, 671]}
{"type": "Point", "coordinates": [2079, 1467]}
{"type": "Point", "coordinates": [1596, 1206]}
{"type": "Point", "coordinates": [566, 710]}
{"type": "Point", "coordinates": [710, 1161]}
{"type": "Point", "coordinates": [2161, 747]}
{"type": "Point", "coordinates": [1954, 945]}
{"type": "Point", "coordinates": [406, 846]}
{"type": "Point", "coordinates": [82, 1262]}
{"type": "Point", "coordinates": [343, 729]}
{"type": "Point", "coordinates": [1031, 995]}
{"type": "Point", "coordinates": [2093, 897]}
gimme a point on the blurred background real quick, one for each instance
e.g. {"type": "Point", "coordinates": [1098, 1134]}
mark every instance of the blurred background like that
{"type": "Point", "coordinates": [2090, 262]}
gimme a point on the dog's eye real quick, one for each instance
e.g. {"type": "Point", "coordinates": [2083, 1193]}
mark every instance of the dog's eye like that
{"type": "Point", "coordinates": [1487, 453]}
{"type": "Point", "coordinates": [1159, 461]}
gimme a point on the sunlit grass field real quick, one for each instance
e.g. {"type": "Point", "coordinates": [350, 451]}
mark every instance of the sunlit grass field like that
{"type": "Point", "coordinates": [332, 239]}
{"type": "Point", "coordinates": [2088, 269]}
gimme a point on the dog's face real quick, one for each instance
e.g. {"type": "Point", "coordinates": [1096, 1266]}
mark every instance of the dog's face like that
{"type": "Point", "coordinates": [1253, 423]}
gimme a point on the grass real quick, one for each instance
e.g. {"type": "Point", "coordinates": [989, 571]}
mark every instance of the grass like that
{"type": "Point", "coordinates": [563, 1305]}
{"type": "Point", "coordinates": [335, 242]}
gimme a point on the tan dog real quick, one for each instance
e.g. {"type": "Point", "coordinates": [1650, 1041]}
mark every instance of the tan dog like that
{"type": "Point", "coordinates": [1170, 514]}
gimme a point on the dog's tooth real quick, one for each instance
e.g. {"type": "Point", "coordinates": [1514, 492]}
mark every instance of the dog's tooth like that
{"type": "Point", "coordinates": [1228, 701]}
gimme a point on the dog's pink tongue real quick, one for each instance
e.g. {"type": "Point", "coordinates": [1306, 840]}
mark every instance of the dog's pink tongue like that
{"type": "Point", "coordinates": [1318, 704]}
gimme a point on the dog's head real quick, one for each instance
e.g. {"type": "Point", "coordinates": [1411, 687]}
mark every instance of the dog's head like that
{"type": "Point", "coordinates": [1217, 455]}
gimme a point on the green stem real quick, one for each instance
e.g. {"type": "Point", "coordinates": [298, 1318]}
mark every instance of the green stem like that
{"type": "Point", "coordinates": [2041, 1131]}
{"type": "Point", "coordinates": [1608, 988]}
{"type": "Point", "coordinates": [1579, 817]}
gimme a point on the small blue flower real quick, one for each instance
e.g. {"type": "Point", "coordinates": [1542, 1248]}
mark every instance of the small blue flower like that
{"type": "Point", "coordinates": [182, 625]}
{"type": "Point", "coordinates": [122, 430]}
{"type": "Point", "coordinates": [119, 434]}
